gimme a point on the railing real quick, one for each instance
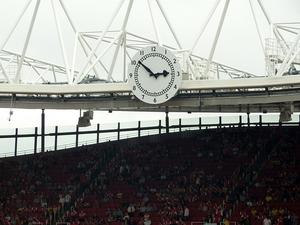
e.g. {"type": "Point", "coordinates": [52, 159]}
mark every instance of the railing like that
{"type": "Point", "coordinates": [120, 133]}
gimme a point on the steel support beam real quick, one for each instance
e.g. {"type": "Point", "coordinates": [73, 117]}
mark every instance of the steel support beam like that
{"type": "Point", "coordinates": [17, 78]}
{"type": "Point", "coordinates": [116, 88]}
{"type": "Point", "coordinates": [182, 103]}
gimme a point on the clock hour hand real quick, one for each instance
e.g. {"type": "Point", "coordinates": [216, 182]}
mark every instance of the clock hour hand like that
{"type": "Point", "coordinates": [164, 73]}
{"type": "Point", "coordinates": [146, 68]}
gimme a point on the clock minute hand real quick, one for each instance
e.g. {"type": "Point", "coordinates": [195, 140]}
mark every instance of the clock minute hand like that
{"type": "Point", "coordinates": [146, 68]}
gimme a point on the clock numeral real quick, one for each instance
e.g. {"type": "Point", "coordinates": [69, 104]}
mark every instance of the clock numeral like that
{"type": "Point", "coordinates": [142, 52]}
{"type": "Point", "coordinates": [178, 74]}
{"type": "Point", "coordinates": [154, 100]}
{"type": "Point", "coordinates": [167, 96]}
{"type": "Point", "coordinates": [133, 62]}
{"type": "Point", "coordinates": [166, 51]}
{"type": "Point", "coordinates": [153, 49]}
{"type": "Point", "coordinates": [143, 96]}
{"type": "Point", "coordinates": [130, 75]}
{"type": "Point", "coordinates": [175, 87]}
{"type": "Point", "coordinates": [174, 60]}
{"type": "Point", "coordinates": [134, 88]}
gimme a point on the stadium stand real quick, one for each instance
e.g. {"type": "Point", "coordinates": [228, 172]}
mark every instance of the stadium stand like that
{"type": "Point", "coordinates": [225, 176]}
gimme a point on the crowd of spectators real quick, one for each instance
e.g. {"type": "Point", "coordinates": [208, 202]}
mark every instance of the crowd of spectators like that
{"type": "Point", "coordinates": [246, 175]}
{"type": "Point", "coordinates": [37, 189]}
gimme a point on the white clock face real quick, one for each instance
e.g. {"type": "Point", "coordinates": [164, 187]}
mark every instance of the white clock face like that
{"type": "Point", "coordinates": [154, 75]}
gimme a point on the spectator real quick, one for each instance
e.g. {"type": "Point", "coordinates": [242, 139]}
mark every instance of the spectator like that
{"type": "Point", "coordinates": [267, 221]}
{"type": "Point", "coordinates": [147, 220]}
{"type": "Point", "coordinates": [131, 210]}
{"type": "Point", "coordinates": [67, 200]}
{"type": "Point", "coordinates": [186, 214]}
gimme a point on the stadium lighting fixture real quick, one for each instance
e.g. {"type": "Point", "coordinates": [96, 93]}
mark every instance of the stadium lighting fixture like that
{"type": "Point", "coordinates": [85, 120]}
{"type": "Point", "coordinates": [286, 112]}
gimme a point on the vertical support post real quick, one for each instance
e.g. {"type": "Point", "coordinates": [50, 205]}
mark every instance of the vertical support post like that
{"type": "Point", "coordinates": [159, 126]}
{"type": "Point", "coordinates": [43, 131]}
{"type": "Point", "coordinates": [16, 142]}
{"type": "Point", "coordinates": [240, 120]}
{"type": "Point", "coordinates": [220, 121]}
{"type": "Point", "coordinates": [35, 139]}
{"type": "Point", "coordinates": [98, 133]}
{"type": "Point", "coordinates": [167, 122]}
{"type": "Point", "coordinates": [77, 136]}
{"type": "Point", "coordinates": [260, 120]}
{"type": "Point", "coordinates": [124, 56]}
{"type": "Point", "coordinates": [299, 120]}
{"type": "Point", "coordinates": [119, 125]}
{"type": "Point", "coordinates": [200, 123]}
{"type": "Point", "coordinates": [248, 119]}
{"type": "Point", "coordinates": [179, 125]}
{"type": "Point", "coordinates": [139, 129]}
{"type": "Point", "coordinates": [55, 138]}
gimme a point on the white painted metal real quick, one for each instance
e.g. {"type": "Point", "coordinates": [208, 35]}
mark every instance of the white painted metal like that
{"type": "Point", "coordinates": [287, 29]}
{"type": "Point", "coordinates": [74, 56]}
{"type": "Point", "coordinates": [41, 76]}
{"type": "Point", "coordinates": [212, 51]}
{"type": "Point", "coordinates": [187, 85]}
{"type": "Point", "coordinates": [80, 38]}
{"type": "Point", "coordinates": [62, 44]}
{"type": "Point", "coordinates": [17, 78]}
{"type": "Point", "coordinates": [83, 43]}
{"type": "Point", "coordinates": [100, 39]}
{"type": "Point", "coordinates": [2, 69]}
{"type": "Point", "coordinates": [273, 31]}
{"type": "Point", "coordinates": [119, 37]}
{"type": "Point", "coordinates": [210, 15]}
{"type": "Point", "coordinates": [109, 77]}
{"type": "Point", "coordinates": [124, 57]}
{"type": "Point", "coordinates": [286, 63]}
{"type": "Point", "coordinates": [257, 27]}
{"type": "Point", "coordinates": [9, 35]}
{"type": "Point", "coordinates": [169, 23]}
{"type": "Point", "coordinates": [155, 27]}
{"type": "Point", "coordinates": [15, 25]}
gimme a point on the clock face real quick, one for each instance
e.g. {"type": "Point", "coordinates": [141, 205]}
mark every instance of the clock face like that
{"type": "Point", "coordinates": [154, 75]}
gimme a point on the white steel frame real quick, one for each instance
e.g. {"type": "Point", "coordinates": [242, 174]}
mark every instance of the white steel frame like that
{"type": "Point", "coordinates": [194, 67]}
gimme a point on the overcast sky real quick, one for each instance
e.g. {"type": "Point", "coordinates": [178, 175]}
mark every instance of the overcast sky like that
{"type": "Point", "coordinates": [238, 45]}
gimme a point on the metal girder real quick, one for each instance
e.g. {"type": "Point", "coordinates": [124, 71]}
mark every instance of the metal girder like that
{"type": "Point", "coordinates": [124, 87]}
{"type": "Point", "coordinates": [257, 101]}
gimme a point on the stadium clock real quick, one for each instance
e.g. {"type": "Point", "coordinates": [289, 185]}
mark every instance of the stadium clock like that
{"type": "Point", "coordinates": [154, 75]}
